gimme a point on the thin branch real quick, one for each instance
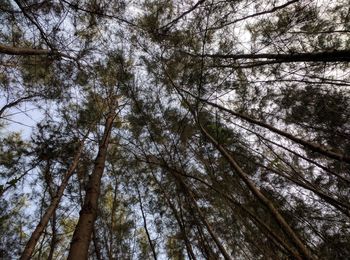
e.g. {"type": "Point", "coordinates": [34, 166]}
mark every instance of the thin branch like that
{"type": "Point", "coordinates": [76, 7]}
{"type": "Point", "coordinates": [16, 102]}
{"type": "Point", "coordinates": [274, 9]}
{"type": "Point", "coordinates": [34, 22]}
{"type": "Point", "coordinates": [173, 22]}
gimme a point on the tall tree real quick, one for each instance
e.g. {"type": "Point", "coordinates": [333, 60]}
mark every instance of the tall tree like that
{"type": "Point", "coordinates": [211, 129]}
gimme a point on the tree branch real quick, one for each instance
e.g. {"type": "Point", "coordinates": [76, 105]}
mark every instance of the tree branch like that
{"type": "Point", "coordinates": [328, 56]}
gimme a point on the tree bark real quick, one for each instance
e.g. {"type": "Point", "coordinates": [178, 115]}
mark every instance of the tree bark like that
{"type": "Point", "coordinates": [34, 238]}
{"type": "Point", "coordinates": [79, 248]}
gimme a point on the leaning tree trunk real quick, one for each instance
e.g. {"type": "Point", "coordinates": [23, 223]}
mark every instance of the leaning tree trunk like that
{"type": "Point", "coordinates": [202, 218]}
{"type": "Point", "coordinates": [304, 251]}
{"type": "Point", "coordinates": [34, 238]}
{"type": "Point", "coordinates": [302, 248]}
{"type": "Point", "coordinates": [189, 249]}
{"type": "Point", "coordinates": [83, 231]}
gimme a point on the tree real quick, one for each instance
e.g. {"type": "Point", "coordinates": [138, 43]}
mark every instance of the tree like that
{"type": "Point", "coordinates": [180, 130]}
{"type": "Point", "coordinates": [55, 193]}
{"type": "Point", "coordinates": [84, 229]}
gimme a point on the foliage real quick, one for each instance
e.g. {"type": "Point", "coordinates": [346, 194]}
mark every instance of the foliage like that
{"type": "Point", "coordinates": [175, 129]}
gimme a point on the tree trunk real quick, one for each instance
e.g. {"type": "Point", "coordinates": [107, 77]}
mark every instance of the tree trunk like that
{"type": "Point", "coordinates": [54, 236]}
{"type": "Point", "coordinates": [235, 203]}
{"type": "Point", "coordinates": [51, 189]}
{"type": "Point", "coordinates": [96, 245]}
{"type": "Point", "coordinates": [203, 219]}
{"type": "Point", "coordinates": [260, 196]}
{"type": "Point", "coordinates": [28, 250]}
{"type": "Point", "coordinates": [313, 147]}
{"type": "Point", "coordinates": [79, 248]}
{"type": "Point", "coordinates": [145, 224]}
{"type": "Point", "coordinates": [177, 217]}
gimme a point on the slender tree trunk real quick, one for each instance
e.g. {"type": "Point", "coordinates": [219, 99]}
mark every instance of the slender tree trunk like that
{"type": "Point", "coordinates": [313, 147]}
{"type": "Point", "coordinates": [180, 222]}
{"type": "Point", "coordinates": [54, 236]}
{"type": "Point", "coordinates": [204, 246]}
{"type": "Point", "coordinates": [235, 203]}
{"type": "Point", "coordinates": [177, 217]}
{"type": "Point", "coordinates": [28, 250]}
{"type": "Point", "coordinates": [145, 225]}
{"type": "Point", "coordinates": [188, 245]}
{"type": "Point", "coordinates": [270, 233]}
{"type": "Point", "coordinates": [96, 245]}
{"type": "Point", "coordinates": [212, 233]}
{"type": "Point", "coordinates": [275, 213]}
{"type": "Point", "coordinates": [79, 248]}
{"type": "Point", "coordinates": [112, 224]}
{"type": "Point", "coordinates": [302, 182]}
{"type": "Point", "coordinates": [41, 246]}
{"type": "Point", "coordinates": [49, 184]}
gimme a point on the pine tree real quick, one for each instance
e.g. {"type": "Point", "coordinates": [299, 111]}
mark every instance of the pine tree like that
{"type": "Point", "coordinates": [169, 129]}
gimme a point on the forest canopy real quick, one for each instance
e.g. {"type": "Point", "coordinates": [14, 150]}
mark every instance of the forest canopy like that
{"type": "Point", "coordinates": [163, 129]}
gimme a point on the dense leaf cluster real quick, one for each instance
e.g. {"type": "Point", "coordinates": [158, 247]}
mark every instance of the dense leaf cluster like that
{"type": "Point", "coordinates": [174, 129]}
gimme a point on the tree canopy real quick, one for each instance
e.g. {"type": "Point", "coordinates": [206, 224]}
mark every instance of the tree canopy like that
{"type": "Point", "coordinates": [174, 129]}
